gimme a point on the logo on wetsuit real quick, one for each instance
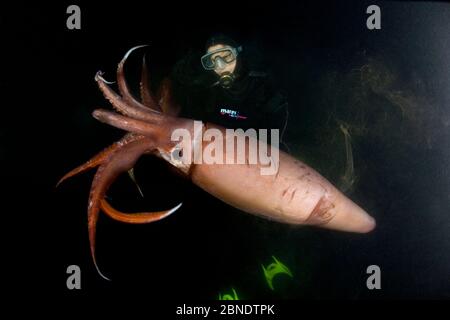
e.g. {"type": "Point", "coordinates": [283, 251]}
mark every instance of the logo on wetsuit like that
{"type": "Point", "coordinates": [231, 113]}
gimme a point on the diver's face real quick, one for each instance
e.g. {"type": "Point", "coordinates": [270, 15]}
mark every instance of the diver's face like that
{"type": "Point", "coordinates": [226, 68]}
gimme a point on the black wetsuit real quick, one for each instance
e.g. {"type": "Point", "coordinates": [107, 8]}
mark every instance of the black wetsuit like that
{"type": "Point", "coordinates": [251, 102]}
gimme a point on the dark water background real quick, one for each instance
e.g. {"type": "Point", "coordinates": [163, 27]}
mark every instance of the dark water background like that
{"type": "Point", "coordinates": [390, 87]}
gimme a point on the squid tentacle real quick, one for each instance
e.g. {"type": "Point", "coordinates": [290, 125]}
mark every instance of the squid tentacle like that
{"type": "Point", "coordinates": [128, 124]}
{"type": "Point", "coordinates": [114, 160]}
{"type": "Point", "coordinates": [138, 217]}
{"type": "Point", "coordinates": [118, 162]}
{"type": "Point", "coordinates": [123, 86]}
{"type": "Point", "coordinates": [147, 128]}
{"type": "Point", "coordinates": [147, 97]}
{"type": "Point", "coordinates": [122, 106]}
{"type": "Point", "coordinates": [100, 157]}
{"type": "Point", "coordinates": [167, 102]}
{"type": "Point", "coordinates": [133, 178]}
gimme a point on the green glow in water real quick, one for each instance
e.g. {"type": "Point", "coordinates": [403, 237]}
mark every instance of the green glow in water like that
{"type": "Point", "coordinates": [229, 296]}
{"type": "Point", "coordinates": [273, 269]}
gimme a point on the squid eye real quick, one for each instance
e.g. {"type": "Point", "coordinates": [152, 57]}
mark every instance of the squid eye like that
{"type": "Point", "coordinates": [177, 154]}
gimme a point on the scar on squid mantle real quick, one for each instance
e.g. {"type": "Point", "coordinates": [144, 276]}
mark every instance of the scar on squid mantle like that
{"type": "Point", "coordinates": [297, 194]}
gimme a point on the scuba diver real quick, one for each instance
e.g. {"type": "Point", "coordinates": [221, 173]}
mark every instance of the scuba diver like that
{"type": "Point", "coordinates": [227, 85]}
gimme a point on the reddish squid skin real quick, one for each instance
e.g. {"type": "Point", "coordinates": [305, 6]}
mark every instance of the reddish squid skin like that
{"type": "Point", "coordinates": [295, 194]}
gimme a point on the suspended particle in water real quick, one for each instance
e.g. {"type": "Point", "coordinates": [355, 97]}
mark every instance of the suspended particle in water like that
{"type": "Point", "coordinates": [349, 178]}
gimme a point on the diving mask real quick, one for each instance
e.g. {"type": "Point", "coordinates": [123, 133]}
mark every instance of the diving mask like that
{"type": "Point", "coordinates": [220, 58]}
